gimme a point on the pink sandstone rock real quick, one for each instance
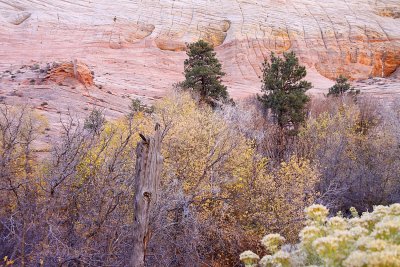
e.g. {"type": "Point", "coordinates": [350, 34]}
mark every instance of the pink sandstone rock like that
{"type": "Point", "coordinates": [136, 48]}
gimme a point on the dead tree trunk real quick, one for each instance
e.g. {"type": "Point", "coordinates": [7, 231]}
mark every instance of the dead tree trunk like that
{"type": "Point", "coordinates": [74, 64]}
{"type": "Point", "coordinates": [148, 169]}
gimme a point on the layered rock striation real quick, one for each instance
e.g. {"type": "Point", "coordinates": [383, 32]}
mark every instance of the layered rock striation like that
{"type": "Point", "coordinates": [138, 45]}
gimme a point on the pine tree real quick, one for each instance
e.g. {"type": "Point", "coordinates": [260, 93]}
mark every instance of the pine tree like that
{"type": "Point", "coordinates": [341, 87]}
{"type": "Point", "coordinates": [285, 90]}
{"type": "Point", "coordinates": [203, 73]}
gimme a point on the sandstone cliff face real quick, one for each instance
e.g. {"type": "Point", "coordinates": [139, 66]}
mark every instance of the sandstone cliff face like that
{"type": "Point", "coordinates": [137, 46]}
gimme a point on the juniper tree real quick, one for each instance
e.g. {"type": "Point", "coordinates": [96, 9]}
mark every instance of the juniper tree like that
{"type": "Point", "coordinates": [203, 73]}
{"type": "Point", "coordinates": [285, 90]}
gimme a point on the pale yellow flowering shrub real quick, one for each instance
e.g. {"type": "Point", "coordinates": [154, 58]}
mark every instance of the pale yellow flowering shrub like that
{"type": "Point", "coordinates": [272, 242]}
{"type": "Point", "coordinates": [372, 239]}
{"type": "Point", "coordinates": [281, 258]}
{"type": "Point", "coordinates": [394, 209]}
{"type": "Point", "coordinates": [266, 261]}
{"type": "Point", "coordinates": [336, 223]}
{"type": "Point", "coordinates": [249, 258]}
{"type": "Point", "coordinates": [354, 212]}
{"type": "Point", "coordinates": [317, 213]}
{"type": "Point", "coordinates": [308, 235]}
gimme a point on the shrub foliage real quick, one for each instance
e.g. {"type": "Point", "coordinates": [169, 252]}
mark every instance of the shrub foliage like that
{"type": "Point", "coordinates": [372, 239]}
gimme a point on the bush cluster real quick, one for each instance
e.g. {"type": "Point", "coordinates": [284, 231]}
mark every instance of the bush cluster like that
{"type": "Point", "coordinates": [372, 239]}
{"type": "Point", "coordinates": [231, 174]}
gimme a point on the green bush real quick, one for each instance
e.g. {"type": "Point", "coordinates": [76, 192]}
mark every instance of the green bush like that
{"type": "Point", "coordinates": [370, 240]}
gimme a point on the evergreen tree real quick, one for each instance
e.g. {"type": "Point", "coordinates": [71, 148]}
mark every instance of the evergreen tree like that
{"type": "Point", "coordinates": [203, 73]}
{"type": "Point", "coordinates": [285, 90]}
{"type": "Point", "coordinates": [341, 87]}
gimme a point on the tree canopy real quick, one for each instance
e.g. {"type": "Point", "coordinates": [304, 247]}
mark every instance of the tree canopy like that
{"type": "Point", "coordinates": [203, 73]}
{"type": "Point", "coordinates": [341, 87]}
{"type": "Point", "coordinates": [284, 89]}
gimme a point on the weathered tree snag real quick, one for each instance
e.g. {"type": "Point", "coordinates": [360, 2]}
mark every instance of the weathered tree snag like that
{"type": "Point", "coordinates": [148, 169]}
{"type": "Point", "coordinates": [74, 63]}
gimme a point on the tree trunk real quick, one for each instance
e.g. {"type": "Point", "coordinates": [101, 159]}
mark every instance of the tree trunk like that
{"type": "Point", "coordinates": [74, 64]}
{"type": "Point", "coordinates": [148, 168]}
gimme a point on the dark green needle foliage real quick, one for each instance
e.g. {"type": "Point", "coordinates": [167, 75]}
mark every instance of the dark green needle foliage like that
{"type": "Point", "coordinates": [342, 87]}
{"type": "Point", "coordinates": [203, 74]}
{"type": "Point", "coordinates": [285, 90]}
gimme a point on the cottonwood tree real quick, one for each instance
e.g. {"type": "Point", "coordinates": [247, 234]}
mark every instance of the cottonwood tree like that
{"type": "Point", "coordinates": [203, 73]}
